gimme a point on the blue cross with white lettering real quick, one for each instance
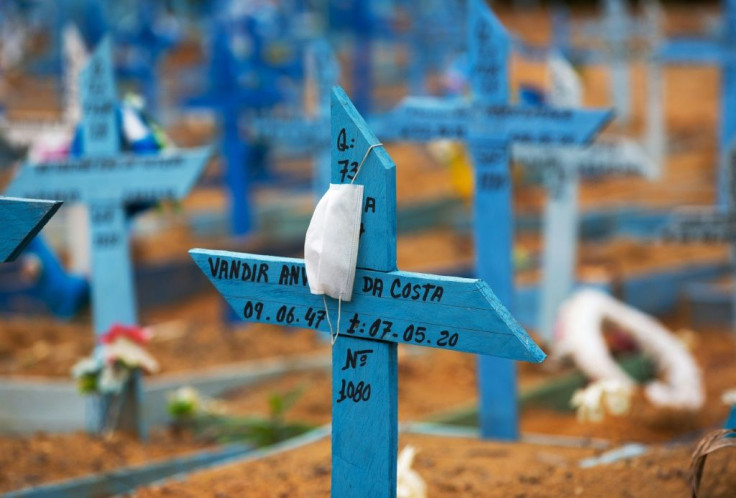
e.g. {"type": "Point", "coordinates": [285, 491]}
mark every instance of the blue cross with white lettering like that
{"type": "Point", "coordinates": [719, 51]}
{"type": "Point", "coordinates": [108, 181]}
{"type": "Point", "coordinates": [489, 124]}
{"type": "Point", "coordinates": [388, 307]}
{"type": "Point", "coordinates": [310, 134]}
{"type": "Point", "coordinates": [22, 219]}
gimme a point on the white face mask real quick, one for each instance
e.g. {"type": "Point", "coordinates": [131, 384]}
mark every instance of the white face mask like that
{"type": "Point", "coordinates": [331, 244]}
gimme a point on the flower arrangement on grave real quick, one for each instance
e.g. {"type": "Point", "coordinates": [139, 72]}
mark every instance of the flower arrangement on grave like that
{"type": "Point", "coordinates": [210, 421]}
{"type": "Point", "coordinates": [120, 353]}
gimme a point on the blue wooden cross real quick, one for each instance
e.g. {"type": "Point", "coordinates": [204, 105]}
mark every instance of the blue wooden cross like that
{"type": "Point", "coordinates": [21, 220]}
{"type": "Point", "coordinates": [107, 182]}
{"type": "Point", "coordinates": [708, 224]}
{"type": "Point", "coordinates": [226, 95]}
{"type": "Point", "coordinates": [311, 134]}
{"type": "Point", "coordinates": [719, 51]}
{"type": "Point", "coordinates": [388, 307]}
{"type": "Point", "coordinates": [563, 166]}
{"type": "Point", "coordinates": [490, 125]}
{"type": "Point", "coordinates": [147, 43]}
{"type": "Point", "coordinates": [437, 31]}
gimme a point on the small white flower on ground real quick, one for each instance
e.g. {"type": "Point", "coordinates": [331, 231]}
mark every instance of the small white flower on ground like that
{"type": "Point", "coordinates": [409, 484]}
{"type": "Point", "coordinates": [185, 401]}
{"type": "Point", "coordinates": [587, 402]}
{"type": "Point", "coordinates": [612, 394]}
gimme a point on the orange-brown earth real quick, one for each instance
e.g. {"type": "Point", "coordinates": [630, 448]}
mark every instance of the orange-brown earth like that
{"type": "Point", "coordinates": [466, 467]}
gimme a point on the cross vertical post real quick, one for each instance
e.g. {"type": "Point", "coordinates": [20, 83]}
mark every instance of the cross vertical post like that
{"type": "Point", "coordinates": [108, 180]}
{"type": "Point", "coordinates": [354, 457]}
{"type": "Point", "coordinates": [388, 307]}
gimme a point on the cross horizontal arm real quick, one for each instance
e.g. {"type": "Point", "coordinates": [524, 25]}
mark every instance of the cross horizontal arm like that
{"type": "Point", "coordinates": [299, 132]}
{"type": "Point", "coordinates": [21, 220]}
{"type": "Point", "coordinates": [623, 157]}
{"type": "Point", "coordinates": [127, 177]}
{"type": "Point", "coordinates": [705, 225]}
{"type": "Point", "coordinates": [692, 51]}
{"type": "Point", "coordinates": [412, 308]}
{"type": "Point", "coordinates": [426, 118]}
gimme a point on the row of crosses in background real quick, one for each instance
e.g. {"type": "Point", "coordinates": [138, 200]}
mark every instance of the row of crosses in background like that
{"type": "Point", "coordinates": [108, 182]}
{"type": "Point", "coordinates": [490, 125]}
{"type": "Point", "coordinates": [308, 134]}
{"type": "Point", "coordinates": [615, 33]}
{"type": "Point", "coordinates": [388, 307]}
{"type": "Point", "coordinates": [229, 94]}
{"type": "Point", "coordinates": [717, 51]}
{"type": "Point", "coordinates": [710, 224]}
{"type": "Point", "coordinates": [563, 166]}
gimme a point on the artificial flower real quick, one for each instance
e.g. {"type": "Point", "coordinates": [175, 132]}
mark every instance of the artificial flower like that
{"type": "Point", "coordinates": [409, 484]}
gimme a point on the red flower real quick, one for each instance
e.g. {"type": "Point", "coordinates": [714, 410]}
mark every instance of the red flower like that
{"type": "Point", "coordinates": [134, 333]}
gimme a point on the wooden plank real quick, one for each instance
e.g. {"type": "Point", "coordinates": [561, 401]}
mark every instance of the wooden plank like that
{"type": "Point", "coordinates": [22, 219]}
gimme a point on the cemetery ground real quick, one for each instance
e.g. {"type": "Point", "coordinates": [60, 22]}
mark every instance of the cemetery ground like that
{"type": "Point", "coordinates": [32, 460]}
{"type": "Point", "coordinates": [192, 337]}
{"type": "Point", "coordinates": [453, 466]}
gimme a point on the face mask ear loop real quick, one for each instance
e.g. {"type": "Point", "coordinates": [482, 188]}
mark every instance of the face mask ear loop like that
{"type": "Point", "coordinates": [357, 172]}
{"type": "Point", "coordinates": [329, 323]}
{"type": "Point", "coordinates": [333, 335]}
{"type": "Point", "coordinates": [339, 312]}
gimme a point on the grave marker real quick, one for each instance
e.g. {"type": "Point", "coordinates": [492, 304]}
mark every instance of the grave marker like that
{"type": "Point", "coordinates": [107, 181]}
{"type": "Point", "coordinates": [717, 224]}
{"type": "Point", "coordinates": [388, 307]}
{"type": "Point", "coordinates": [490, 125]}
{"type": "Point", "coordinates": [147, 43]}
{"type": "Point", "coordinates": [21, 220]}
{"type": "Point", "coordinates": [718, 51]}
{"type": "Point", "coordinates": [563, 166]}
{"type": "Point", "coordinates": [311, 134]}
{"type": "Point", "coordinates": [228, 97]}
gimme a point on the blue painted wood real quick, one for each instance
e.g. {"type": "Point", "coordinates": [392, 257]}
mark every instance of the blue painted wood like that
{"type": "Point", "coordinates": [147, 43]}
{"type": "Point", "coordinates": [310, 134]}
{"type": "Point", "coordinates": [490, 124]}
{"type": "Point", "coordinates": [716, 51]}
{"type": "Point", "coordinates": [22, 219]}
{"type": "Point", "coordinates": [229, 98]}
{"type": "Point", "coordinates": [107, 181]}
{"type": "Point", "coordinates": [388, 307]}
{"type": "Point", "coordinates": [731, 421]}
